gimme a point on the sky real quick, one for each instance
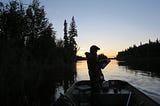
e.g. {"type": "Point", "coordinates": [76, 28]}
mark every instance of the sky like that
{"type": "Point", "coordinates": [112, 25]}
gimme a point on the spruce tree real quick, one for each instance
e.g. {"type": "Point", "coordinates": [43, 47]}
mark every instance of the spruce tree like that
{"type": "Point", "coordinates": [11, 27]}
{"type": "Point", "coordinates": [72, 35]}
{"type": "Point", "coordinates": [65, 34]}
{"type": "Point", "coordinates": [40, 36]}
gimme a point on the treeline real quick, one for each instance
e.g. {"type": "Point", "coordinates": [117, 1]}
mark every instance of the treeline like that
{"type": "Point", "coordinates": [31, 59]}
{"type": "Point", "coordinates": [144, 57]}
{"type": "Point", "coordinates": [149, 50]}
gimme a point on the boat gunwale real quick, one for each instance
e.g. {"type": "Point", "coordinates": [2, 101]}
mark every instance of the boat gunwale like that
{"type": "Point", "coordinates": [128, 85]}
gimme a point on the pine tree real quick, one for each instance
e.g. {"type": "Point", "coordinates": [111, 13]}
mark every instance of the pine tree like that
{"type": "Point", "coordinates": [65, 34]}
{"type": "Point", "coordinates": [72, 35]}
{"type": "Point", "coordinates": [73, 32]}
{"type": "Point", "coordinates": [40, 32]}
{"type": "Point", "coordinates": [157, 41]}
{"type": "Point", "coordinates": [11, 27]}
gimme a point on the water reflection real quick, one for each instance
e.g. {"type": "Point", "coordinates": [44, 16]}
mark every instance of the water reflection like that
{"type": "Point", "coordinates": [82, 71]}
{"type": "Point", "coordinates": [144, 80]}
{"type": "Point", "coordinates": [148, 70]}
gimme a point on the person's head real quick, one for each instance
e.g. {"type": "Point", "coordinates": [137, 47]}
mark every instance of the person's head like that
{"type": "Point", "coordinates": [94, 49]}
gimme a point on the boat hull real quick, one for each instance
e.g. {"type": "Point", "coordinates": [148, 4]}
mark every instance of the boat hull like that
{"type": "Point", "coordinates": [113, 93]}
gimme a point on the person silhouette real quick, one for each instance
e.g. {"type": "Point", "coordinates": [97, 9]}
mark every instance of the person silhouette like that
{"type": "Point", "coordinates": [94, 67]}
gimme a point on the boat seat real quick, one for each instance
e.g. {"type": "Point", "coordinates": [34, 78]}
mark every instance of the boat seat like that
{"type": "Point", "coordinates": [83, 88]}
{"type": "Point", "coordinates": [84, 95]}
{"type": "Point", "coordinates": [107, 98]}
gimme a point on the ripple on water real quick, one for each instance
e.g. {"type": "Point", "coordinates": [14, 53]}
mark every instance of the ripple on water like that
{"type": "Point", "coordinates": [147, 83]}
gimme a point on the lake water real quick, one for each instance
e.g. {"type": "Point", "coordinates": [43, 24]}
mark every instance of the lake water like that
{"type": "Point", "coordinates": [144, 81]}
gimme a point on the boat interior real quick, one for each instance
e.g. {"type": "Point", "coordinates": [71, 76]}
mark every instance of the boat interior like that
{"type": "Point", "coordinates": [113, 93]}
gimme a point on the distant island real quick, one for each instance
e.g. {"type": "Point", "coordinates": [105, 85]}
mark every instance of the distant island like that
{"type": "Point", "coordinates": [79, 58]}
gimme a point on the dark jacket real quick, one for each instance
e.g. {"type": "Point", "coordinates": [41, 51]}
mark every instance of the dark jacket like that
{"type": "Point", "coordinates": [93, 64]}
{"type": "Point", "coordinates": [94, 67]}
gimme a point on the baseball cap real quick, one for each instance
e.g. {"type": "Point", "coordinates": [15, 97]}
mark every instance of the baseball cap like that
{"type": "Point", "coordinates": [94, 47]}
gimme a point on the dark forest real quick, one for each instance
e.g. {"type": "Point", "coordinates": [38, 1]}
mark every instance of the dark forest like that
{"type": "Point", "coordinates": [32, 60]}
{"type": "Point", "coordinates": [145, 56]}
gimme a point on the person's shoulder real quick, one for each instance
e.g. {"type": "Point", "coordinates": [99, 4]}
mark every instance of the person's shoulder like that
{"type": "Point", "coordinates": [87, 54]}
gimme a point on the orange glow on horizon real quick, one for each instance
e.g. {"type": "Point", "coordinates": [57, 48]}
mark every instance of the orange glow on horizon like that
{"type": "Point", "coordinates": [110, 55]}
{"type": "Point", "coordinates": [109, 52]}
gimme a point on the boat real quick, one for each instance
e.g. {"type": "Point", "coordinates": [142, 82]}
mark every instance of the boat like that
{"type": "Point", "coordinates": [113, 93]}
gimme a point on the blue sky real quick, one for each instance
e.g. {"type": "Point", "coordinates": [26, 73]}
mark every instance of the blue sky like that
{"type": "Point", "coordinates": [113, 25]}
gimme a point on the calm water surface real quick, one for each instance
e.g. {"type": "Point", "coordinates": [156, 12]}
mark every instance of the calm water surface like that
{"type": "Point", "coordinates": [145, 82]}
